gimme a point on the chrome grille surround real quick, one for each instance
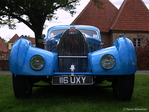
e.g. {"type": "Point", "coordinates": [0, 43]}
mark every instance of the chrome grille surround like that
{"type": "Point", "coordinates": [71, 47]}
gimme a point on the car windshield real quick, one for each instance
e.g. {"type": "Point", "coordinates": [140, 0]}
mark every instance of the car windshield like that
{"type": "Point", "coordinates": [86, 32]}
{"type": "Point", "coordinates": [89, 33]}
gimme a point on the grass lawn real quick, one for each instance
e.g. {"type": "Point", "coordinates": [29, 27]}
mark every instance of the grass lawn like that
{"type": "Point", "coordinates": [74, 99]}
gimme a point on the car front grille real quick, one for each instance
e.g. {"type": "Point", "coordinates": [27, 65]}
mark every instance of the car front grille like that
{"type": "Point", "coordinates": [72, 50]}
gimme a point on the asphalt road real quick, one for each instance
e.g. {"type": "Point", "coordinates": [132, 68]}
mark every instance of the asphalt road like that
{"type": "Point", "coordinates": [141, 72]}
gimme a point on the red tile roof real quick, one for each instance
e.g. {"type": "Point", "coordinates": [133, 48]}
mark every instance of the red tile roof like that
{"type": "Point", "coordinates": [133, 15]}
{"type": "Point", "coordinates": [3, 47]}
{"type": "Point", "coordinates": [101, 18]}
{"type": "Point", "coordinates": [15, 37]}
{"type": "Point", "coordinates": [32, 39]}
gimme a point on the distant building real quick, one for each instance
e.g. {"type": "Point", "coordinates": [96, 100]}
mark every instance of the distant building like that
{"type": "Point", "coordinates": [132, 20]}
{"type": "Point", "coordinates": [3, 47]}
{"type": "Point", "coordinates": [4, 55]}
{"type": "Point", "coordinates": [15, 37]}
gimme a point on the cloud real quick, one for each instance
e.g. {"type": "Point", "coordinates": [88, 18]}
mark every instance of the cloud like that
{"type": "Point", "coordinates": [146, 1]}
{"type": "Point", "coordinates": [21, 29]}
{"type": "Point", "coordinates": [116, 1]}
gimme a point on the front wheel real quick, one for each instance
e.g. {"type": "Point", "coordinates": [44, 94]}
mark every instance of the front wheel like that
{"type": "Point", "coordinates": [123, 87]}
{"type": "Point", "coordinates": [22, 86]}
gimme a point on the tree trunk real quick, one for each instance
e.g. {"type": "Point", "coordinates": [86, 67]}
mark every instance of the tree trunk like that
{"type": "Point", "coordinates": [38, 38]}
{"type": "Point", "coordinates": [37, 26]}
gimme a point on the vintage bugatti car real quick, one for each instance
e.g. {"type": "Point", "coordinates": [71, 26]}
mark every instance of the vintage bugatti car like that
{"type": "Point", "coordinates": [73, 55]}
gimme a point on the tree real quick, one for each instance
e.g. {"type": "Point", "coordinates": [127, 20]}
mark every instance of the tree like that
{"type": "Point", "coordinates": [5, 41]}
{"type": "Point", "coordinates": [34, 13]}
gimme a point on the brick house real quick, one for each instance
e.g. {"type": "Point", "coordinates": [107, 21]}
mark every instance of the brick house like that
{"type": "Point", "coordinates": [3, 47]}
{"type": "Point", "coordinates": [131, 19]}
{"type": "Point", "coordinates": [4, 55]}
{"type": "Point", "coordinates": [15, 37]}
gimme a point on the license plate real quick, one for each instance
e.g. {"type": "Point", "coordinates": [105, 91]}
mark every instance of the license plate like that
{"type": "Point", "coordinates": [72, 80]}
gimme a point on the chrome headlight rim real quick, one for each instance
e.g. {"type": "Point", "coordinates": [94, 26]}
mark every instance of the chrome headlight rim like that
{"type": "Point", "coordinates": [37, 62]}
{"type": "Point", "coordinates": [107, 61]}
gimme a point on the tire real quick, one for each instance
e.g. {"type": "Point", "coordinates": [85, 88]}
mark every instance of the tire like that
{"type": "Point", "coordinates": [22, 86]}
{"type": "Point", "coordinates": [123, 87]}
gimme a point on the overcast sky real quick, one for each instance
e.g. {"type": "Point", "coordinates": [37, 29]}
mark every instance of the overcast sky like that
{"type": "Point", "coordinates": [64, 18]}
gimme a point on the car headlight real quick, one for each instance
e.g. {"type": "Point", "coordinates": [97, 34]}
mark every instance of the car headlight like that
{"type": "Point", "coordinates": [107, 61]}
{"type": "Point", "coordinates": [37, 62]}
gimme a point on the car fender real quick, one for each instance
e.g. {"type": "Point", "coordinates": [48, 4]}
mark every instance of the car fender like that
{"type": "Point", "coordinates": [18, 54]}
{"type": "Point", "coordinates": [127, 54]}
{"type": "Point", "coordinates": [21, 54]}
{"type": "Point", "coordinates": [124, 54]}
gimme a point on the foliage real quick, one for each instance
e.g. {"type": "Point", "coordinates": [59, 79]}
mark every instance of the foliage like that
{"type": "Point", "coordinates": [143, 56]}
{"type": "Point", "coordinates": [33, 10]}
{"type": "Point", "coordinates": [98, 3]}
{"type": "Point", "coordinates": [34, 13]}
{"type": "Point", "coordinates": [5, 41]}
{"type": "Point", "coordinates": [72, 99]}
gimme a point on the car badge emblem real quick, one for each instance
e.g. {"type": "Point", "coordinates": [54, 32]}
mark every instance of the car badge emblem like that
{"type": "Point", "coordinates": [72, 68]}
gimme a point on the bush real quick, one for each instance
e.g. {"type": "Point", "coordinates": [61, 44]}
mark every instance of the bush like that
{"type": "Point", "coordinates": [143, 56]}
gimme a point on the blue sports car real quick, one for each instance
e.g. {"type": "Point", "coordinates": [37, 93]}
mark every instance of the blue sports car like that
{"type": "Point", "coordinates": [73, 55]}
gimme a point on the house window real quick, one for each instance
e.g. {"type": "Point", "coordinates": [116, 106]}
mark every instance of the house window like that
{"type": "Point", "coordinates": [137, 42]}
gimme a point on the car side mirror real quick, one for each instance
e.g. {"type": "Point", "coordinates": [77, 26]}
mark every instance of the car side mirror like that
{"type": "Point", "coordinates": [43, 36]}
